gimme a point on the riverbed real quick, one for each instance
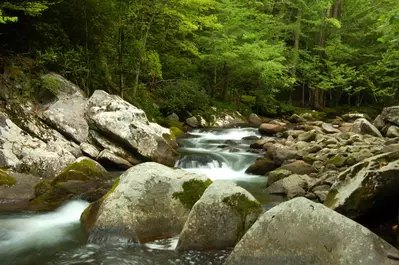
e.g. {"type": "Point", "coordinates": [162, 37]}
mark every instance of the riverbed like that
{"type": "Point", "coordinates": [57, 238]}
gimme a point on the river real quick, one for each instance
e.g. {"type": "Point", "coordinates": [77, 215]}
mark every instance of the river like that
{"type": "Point", "coordinates": [57, 238]}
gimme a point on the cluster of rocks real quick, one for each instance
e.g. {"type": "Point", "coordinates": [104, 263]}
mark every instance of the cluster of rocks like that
{"type": "Point", "coordinates": [38, 142]}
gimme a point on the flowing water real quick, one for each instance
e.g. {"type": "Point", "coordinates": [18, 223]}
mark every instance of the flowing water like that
{"type": "Point", "coordinates": [57, 238]}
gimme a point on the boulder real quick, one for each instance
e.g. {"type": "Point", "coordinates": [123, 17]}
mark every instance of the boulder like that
{"type": "Point", "coordinates": [112, 161]}
{"type": "Point", "coordinates": [261, 167]}
{"type": "Point", "coordinates": [367, 188]}
{"type": "Point", "coordinates": [328, 128]}
{"type": "Point", "coordinates": [128, 126]}
{"type": "Point", "coordinates": [270, 129]}
{"type": "Point", "coordinates": [220, 218]}
{"type": "Point", "coordinates": [225, 120]}
{"type": "Point", "coordinates": [149, 201]}
{"type": "Point", "coordinates": [6, 179]}
{"type": "Point", "coordinates": [350, 117]}
{"type": "Point", "coordinates": [301, 232]}
{"type": "Point", "coordinates": [299, 167]}
{"type": "Point", "coordinates": [363, 126]}
{"type": "Point", "coordinates": [379, 122]}
{"type": "Point", "coordinates": [390, 115]}
{"type": "Point", "coordinates": [393, 131]}
{"type": "Point", "coordinates": [83, 179]}
{"type": "Point", "coordinates": [192, 122]}
{"type": "Point", "coordinates": [292, 186]}
{"type": "Point", "coordinates": [307, 136]}
{"type": "Point", "coordinates": [67, 116]}
{"type": "Point", "coordinates": [173, 117]}
{"type": "Point", "coordinates": [24, 153]}
{"type": "Point", "coordinates": [276, 175]}
{"type": "Point", "coordinates": [284, 154]}
{"type": "Point", "coordinates": [254, 119]}
{"type": "Point", "coordinates": [295, 118]}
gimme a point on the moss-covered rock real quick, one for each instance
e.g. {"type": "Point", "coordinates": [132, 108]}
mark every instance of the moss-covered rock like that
{"type": "Point", "coordinates": [220, 218]}
{"type": "Point", "coordinates": [337, 160]}
{"type": "Point", "coordinates": [6, 179]}
{"type": "Point", "coordinates": [84, 178]}
{"type": "Point", "coordinates": [150, 201]}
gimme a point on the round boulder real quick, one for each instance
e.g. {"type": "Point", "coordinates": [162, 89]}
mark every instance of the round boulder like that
{"type": "Point", "coordinates": [149, 201]}
{"type": "Point", "coordinates": [261, 166]}
{"type": "Point", "coordinates": [270, 129]}
{"type": "Point", "coordinates": [220, 218]}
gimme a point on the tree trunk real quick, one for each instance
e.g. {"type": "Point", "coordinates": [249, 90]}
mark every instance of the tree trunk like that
{"type": "Point", "coordinates": [296, 50]}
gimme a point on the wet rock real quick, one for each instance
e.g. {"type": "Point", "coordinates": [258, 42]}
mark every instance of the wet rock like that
{"type": "Point", "coordinates": [220, 218]}
{"type": "Point", "coordinates": [299, 167]}
{"type": "Point", "coordinates": [331, 239]}
{"type": "Point", "coordinates": [363, 126]}
{"type": "Point", "coordinates": [150, 201]}
{"type": "Point", "coordinates": [261, 167]}
{"type": "Point", "coordinates": [84, 178]}
{"type": "Point", "coordinates": [367, 188]}
{"type": "Point", "coordinates": [292, 186]}
{"type": "Point", "coordinates": [129, 126]}
{"type": "Point", "coordinates": [271, 129]}
{"type": "Point", "coordinates": [277, 175]}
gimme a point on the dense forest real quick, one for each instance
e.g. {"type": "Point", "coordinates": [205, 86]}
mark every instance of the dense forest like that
{"type": "Point", "coordinates": [185, 55]}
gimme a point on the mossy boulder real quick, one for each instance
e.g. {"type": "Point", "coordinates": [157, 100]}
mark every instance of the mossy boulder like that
{"type": "Point", "coordinates": [220, 218]}
{"type": "Point", "coordinates": [84, 178]}
{"type": "Point", "coordinates": [150, 201]}
{"type": "Point", "coordinates": [6, 179]}
{"type": "Point", "coordinates": [367, 189]}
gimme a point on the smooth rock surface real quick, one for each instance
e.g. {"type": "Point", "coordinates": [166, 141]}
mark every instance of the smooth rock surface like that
{"type": "Point", "coordinates": [301, 232]}
{"type": "Point", "coordinates": [363, 126]}
{"type": "Point", "coordinates": [220, 218]}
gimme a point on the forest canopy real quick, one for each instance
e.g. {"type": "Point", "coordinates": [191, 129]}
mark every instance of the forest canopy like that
{"type": "Point", "coordinates": [184, 55]}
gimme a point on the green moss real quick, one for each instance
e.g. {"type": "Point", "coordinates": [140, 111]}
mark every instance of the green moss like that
{"type": "Point", "coordinates": [309, 159]}
{"type": "Point", "coordinates": [42, 187]}
{"type": "Point", "coordinates": [242, 204]}
{"type": "Point", "coordinates": [331, 200]}
{"type": "Point", "coordinates": [6, 179]}
{"type": "Point", "coordinates": [51, 83]}
{"type": "Point", "coordinates": [192, 192]}
{"type": "Point", "coordinates": [82, 170]}
{"type": "Point", "coordinates": [337, 161]}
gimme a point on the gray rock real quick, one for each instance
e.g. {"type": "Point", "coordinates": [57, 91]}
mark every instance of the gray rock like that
{"type": "Point", "coordinates": [279, 236]}
{"type": "Point", "coordinates": [307, 136]}
{"type": "Point", "coordinates": [379, 122]}
{"type": "Point", "coordinates": [366, 186]}
{"type": "Point", "coordinates": [350, 117]}
{"type": "Point", "coordinates": [220, 218]}
{"type": "Point", "coordinates": [89, 150]}
{"type": "Point", "coordinates": [192, 122]}
{"type": "Point", "coordinates": [283, 154]}
{"type": "Point", "coordinates": [295, 118]}
{"type": "Point", "coordinates": [299, 167]}
{"type": "Point", "coordinates": [390, 115]}
{"type": "Point", "coordinates": [328, 128]}
{"type": "Point", "coordinates": [292, 186]}
{"type": "Point", "coordinates": [225, 120]}
{"type": "Point", "coordinates": [271, 129]}
{"type": "Point", "coordinates": [321, 195]}
{"type": "Point", "coordinates": [110, 160]}
{"type": "Point", "coordinates": [129, 126]}
{"type": "Point", "coordinates": [393, 131]}
{"type": "Point", "coordinates": [254, 119]}
{"type": "Point", "coordinates": [67, 116]}
{"type": "Point", "coordinates": [363, 126]}
{"type": "Point", "coordinates": [173, 117]}
{"type": "Point", "coordinates": [276, 175]}
{"type": "Point", "coordinates": [150, 201]}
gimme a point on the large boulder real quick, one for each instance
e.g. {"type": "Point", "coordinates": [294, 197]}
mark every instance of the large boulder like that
{"type": "Point", "coordinates": [393, 131]}
{"type": "Point", "coordinates": [254, 119]}
{"type": "Point", "coordinates": [129, 126]}
{"type": "Point", "coordinates": [261, 166]}
{"type": "Point", "coordinates": [220, 218]}
{"type": "Point", "coordinates": [301, 232]}
{"type": "Point", "coordinates": [270, 129]}
{"type": "Point", "coordinates": [149, 201]}
{"type": "Point", "coordinates": [67, 116]}
{"type": "Point", "coordinates": [299, 167]}
{"type": "Point", "coordinates": [83, 179]}
{"type": "Point", "coordinates": [363, 126]}
{"type": "Point", "coordinates": [390, 115]}
{"type": "Point", "coordinates": [24, 153]}
{"type": "Point", "coordinates": [367, 188]}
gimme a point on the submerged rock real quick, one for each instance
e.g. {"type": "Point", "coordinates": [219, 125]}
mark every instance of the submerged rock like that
{"type": "Point", "coordinates": [84, 179]}
{"type": "Point", "coordinates": [129, 126]}
{"type": "Point", "coordinates": [150, 201]}
{"type": "Point", "coordinates": [220, 218]}
{"type": "Point", "coordinates": [369, 187]}
{"type": "Point", "coordinates": [301, 232]}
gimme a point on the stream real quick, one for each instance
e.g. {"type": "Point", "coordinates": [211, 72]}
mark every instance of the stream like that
{"type": "Point", "coordinates": [57, 238]}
